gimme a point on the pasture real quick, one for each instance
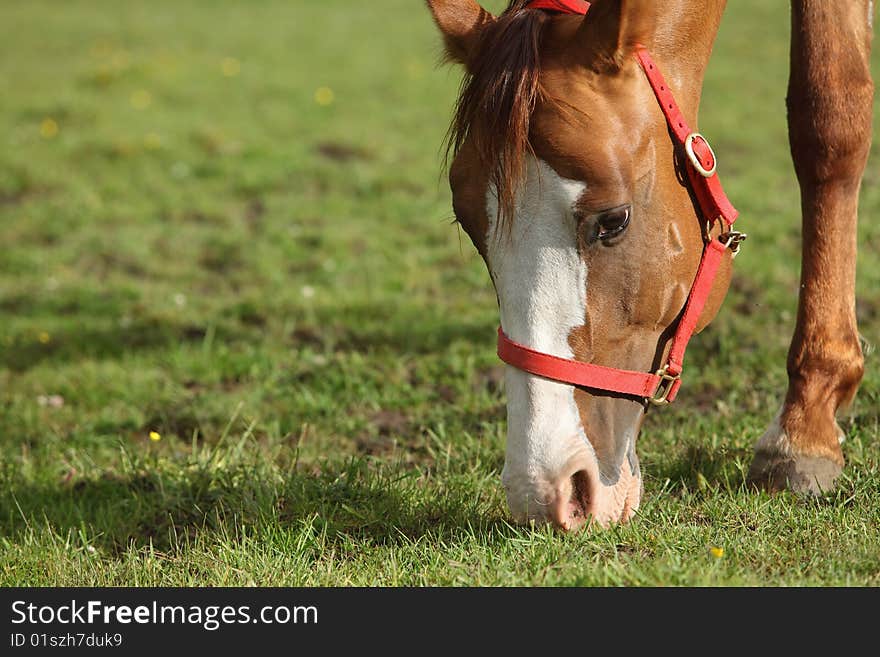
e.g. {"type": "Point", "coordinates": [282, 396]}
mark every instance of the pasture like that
{"type": "Point", "coordinates": [242, 342]}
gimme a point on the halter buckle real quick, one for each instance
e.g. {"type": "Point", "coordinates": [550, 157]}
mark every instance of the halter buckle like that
{"type": "Point", "coordinates": [664, 388]}
{"type": "Point", "coordinates": [689, 149]}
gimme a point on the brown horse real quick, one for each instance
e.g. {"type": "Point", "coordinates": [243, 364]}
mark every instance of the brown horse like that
{"type": "Point", "coordinates": [568, 180]}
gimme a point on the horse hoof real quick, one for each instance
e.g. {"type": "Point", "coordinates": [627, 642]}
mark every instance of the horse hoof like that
{"type": "Point", "coordinates": [811, 475]}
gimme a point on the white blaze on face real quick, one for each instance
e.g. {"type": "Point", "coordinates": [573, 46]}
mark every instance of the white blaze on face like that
{"type": "Point", "coordinates": [541, 282]}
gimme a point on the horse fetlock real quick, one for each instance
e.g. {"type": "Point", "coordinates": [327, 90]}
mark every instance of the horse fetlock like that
{"type": "Point", "coordinates": [824, 383]}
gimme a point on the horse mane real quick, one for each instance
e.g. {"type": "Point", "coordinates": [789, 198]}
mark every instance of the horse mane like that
{"type": "Point", "coordinates": [497, 97]}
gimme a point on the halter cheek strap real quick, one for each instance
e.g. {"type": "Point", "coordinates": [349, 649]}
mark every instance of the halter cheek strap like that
{"type": "Point", "coordinates": [662, 386]}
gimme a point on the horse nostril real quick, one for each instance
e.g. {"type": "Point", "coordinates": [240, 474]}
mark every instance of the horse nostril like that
{"type": "Point", "coordinates": [572, 507]}
{"type": "Point", "coordinates": [580, 495]}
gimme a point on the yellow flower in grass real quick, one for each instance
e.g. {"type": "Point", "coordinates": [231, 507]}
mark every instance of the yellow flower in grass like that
{"type": "Point", "coordinates": [44, 337]}
{"type": "Point", "coordinates": [48, 128]}
{"type": "Point", "coordinates": [716, 552]}
{"type": "Point", "coordinates": [230, 67]}
{"type": "Point", "coordinates": [155, 436]}
{"type": "Point", "coordinates": [141, 99]}
{"type": "Point", "coordinates": [324, 96]}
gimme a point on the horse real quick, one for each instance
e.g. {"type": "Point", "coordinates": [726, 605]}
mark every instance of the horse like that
{"type": "Point", "coordinates": [578, 174]}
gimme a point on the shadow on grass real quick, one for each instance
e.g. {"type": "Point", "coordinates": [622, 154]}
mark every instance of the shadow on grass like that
{"type": "Point", "coordinates": [169, 511]}
{"type": "Point", "coordinates": [407, 329]}
{"type": "Point", "coordinates": [702, 467]}
{"type": "Point", "coordinates": [79, 342]}
{"type": "Point", "coordinates": [362, 328]}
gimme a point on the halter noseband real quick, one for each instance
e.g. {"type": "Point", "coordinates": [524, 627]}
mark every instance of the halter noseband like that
{"type": "Point", "coordinates": [662, 386]}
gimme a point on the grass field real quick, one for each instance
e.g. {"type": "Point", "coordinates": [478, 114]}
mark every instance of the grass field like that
{"type": "Point", "coordinates": [243, 344]}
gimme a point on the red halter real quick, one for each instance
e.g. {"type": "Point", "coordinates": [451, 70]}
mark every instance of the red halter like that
{"type": "Point", "coordinates": [662, 386]}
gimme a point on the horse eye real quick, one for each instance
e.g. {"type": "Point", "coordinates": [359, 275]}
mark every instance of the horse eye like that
{"type": "Point", "coordinates": [613, 222]}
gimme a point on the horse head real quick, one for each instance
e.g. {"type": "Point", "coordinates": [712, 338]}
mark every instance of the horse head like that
{"type": "Point", "coordinates": [566, 178]}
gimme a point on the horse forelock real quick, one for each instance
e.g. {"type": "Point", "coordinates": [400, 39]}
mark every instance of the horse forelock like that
{"type": "Point", "coordinates": [498, 95]}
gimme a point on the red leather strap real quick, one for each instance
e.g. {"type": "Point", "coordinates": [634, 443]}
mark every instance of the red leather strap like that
{"type": "Point", "coordinates": [710, 195]}
{"type": "Point", "coordinates": [694, 307]}
{"type": "Point", "coordinates": [562, 6]}
{"type": "Point", "coordinates": [575, 372]}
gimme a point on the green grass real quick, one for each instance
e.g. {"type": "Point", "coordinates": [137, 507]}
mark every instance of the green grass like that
{"type": "Point", "coordinates": [274, 285]}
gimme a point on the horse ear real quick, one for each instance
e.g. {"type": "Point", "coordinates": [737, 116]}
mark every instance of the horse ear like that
{"type": "Point", "coordinates": [613, 28]}
{"type": "Point", "coordinates": [460, 22]}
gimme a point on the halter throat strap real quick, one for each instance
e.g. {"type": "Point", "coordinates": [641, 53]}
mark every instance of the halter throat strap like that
{"type": "Point", "coordinates": [662, 386]}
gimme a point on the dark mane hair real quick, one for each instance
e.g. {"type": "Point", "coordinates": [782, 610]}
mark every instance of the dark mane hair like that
{"type": "Point", "coordinates": [497, 97]}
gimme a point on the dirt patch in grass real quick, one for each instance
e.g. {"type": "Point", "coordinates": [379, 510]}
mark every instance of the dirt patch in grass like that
{"type": "Point", "coordinates": [490, 379]}
{"type": "Point", "coordinates": [340, 152]}
{"type": "Point", "coordinates": [703, 398]}
{"type": "Point", "coordinates": [308, 336]}
{"type": "Point", "coordinates": [253, 215]}
{"type": "Point", "coordinates": [446, 393]}
{"type": "Point", "coordinates": [392, 432]}
{"type": "Point", "coordinates": [385, 427]}
{"type": "Point", "coordinates": [390, 422]}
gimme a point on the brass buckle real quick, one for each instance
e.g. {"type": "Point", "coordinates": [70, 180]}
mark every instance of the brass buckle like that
{"type": "Point", "coordinates": [732, 240]}
{"type": "Point", "coordinates": [689, 149]}
{"type": "Point", "coordinates": [661, 394]}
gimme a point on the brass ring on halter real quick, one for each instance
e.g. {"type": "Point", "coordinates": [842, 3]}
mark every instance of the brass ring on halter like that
{"type": "Point", "coordinates": [689, 149]}
{"type": "Point", "coordinates": [708, 225]}
{"type": "Point", "coordinates": [664, 388]}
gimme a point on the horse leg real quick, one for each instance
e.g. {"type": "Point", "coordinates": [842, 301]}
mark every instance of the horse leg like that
{"type": "Point", "coordinates": [830, 96]}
